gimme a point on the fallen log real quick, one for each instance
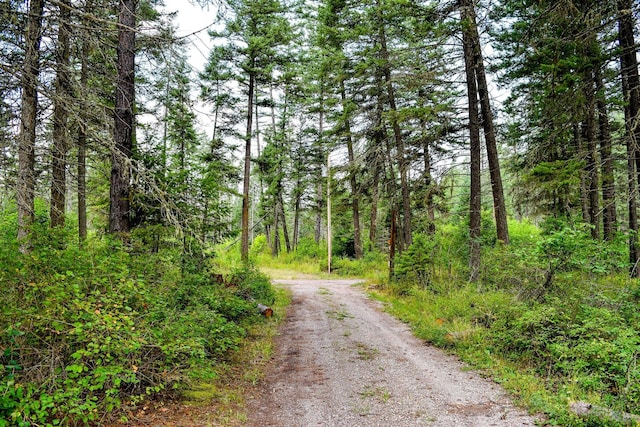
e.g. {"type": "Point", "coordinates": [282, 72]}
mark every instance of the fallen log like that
{"type": "Point", "coordinates": [588, 410]}
{"type": "Point", "coordinates": [265, 311]}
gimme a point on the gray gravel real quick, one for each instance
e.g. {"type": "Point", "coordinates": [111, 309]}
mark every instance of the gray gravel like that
{"type": "Point", "coordinates": [341, 361]}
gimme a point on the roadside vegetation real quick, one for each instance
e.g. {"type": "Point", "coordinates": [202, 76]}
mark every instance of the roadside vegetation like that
{"type": "Point", "coordinates": [90, 333]}
{"type": "Point", "coordinates": [553, 317]}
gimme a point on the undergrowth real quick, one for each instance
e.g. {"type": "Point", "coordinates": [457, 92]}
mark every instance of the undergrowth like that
{"type": "Point", "coordinates": [554, 317]}
{"type": "Point", "coordinates": [86, 332]}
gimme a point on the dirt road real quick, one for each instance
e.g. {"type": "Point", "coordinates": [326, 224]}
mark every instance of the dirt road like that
{"type": "Point", "coordinates": [342, 361]}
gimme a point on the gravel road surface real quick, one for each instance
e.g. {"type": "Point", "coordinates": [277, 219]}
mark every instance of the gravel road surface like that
{"type": "Point", "coordinates": [341, 361]}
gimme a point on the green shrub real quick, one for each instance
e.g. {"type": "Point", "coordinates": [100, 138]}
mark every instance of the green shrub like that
{"type": "Point", "coordinates": [252, 284]}
{"type": "Point", "coordinates": [259, 246]}
{"type": "Point", "coordinates": [85, 331]}
{"type": "Point", "coordinates": [416, 264]}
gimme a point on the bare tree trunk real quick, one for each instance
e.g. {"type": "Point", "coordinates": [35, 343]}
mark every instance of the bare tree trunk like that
{"type": "Point", "coordinates": [392, 244]}
{"type": "Point", "coordinates": [402, 161]}
{"type": "Point", "coordinates": [82, 151]}
{"type": "Point", "coordinates": [609, 217]}
{"type": "Point", "coordinates": [355, 196]}
{"type": "Point", "coordinates": [428, 180]}
{"type": "Point", "coordinates": [61, 103]}
{"type": "Point", "coordinates": [25, 193]}
{"type": "Point", "coordinates": [319, 192]}
{"type": "Point", "coordinates": [475, 147]}
{"type": "Point", "coordinates": [296, 217]}
{"type": "Point", "coordinates": [244, 246]}
{"type": "Point", "coordinates": [578, 135]}
{"type": "Point", "coordinates": [500, 211]}
{"type": "Point", "coordinates": [285, 230]}
{"type": "Point", "coordinates": [631, 92]}
{"type": "Point", "coordinates": [591, 162]}
{"type": "Point", "coordinates": [379, 138]}
{"type": "Point", "coordinates": [124, 121]}
{"type": "Point", "coordinates": [375, 196]}
{"type": "Point", "coordinates": [275, 247]}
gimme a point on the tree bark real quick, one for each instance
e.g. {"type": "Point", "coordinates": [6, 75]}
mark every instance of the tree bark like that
{"type": "Point", "coordinates": [392, 245]}
{"type": "Point", "coordinates": [591, 162]}
{"type": "Point", "coordinates": [400, 149]}
{"type": "Point", "coordinates": [355, 192]}
{"type": "Point", "coordinates": [609, 216]}
{"type": "Point", "coordinates": [631, 92]}
{"type": "Point", "coordinates": [319, 192]}
{"type": "Point", "coordinates": [428, 179]}
{"type": "Point", "coordinates": [275, 247]}
{"type": "Point", "coordinates": [375, 196]}
{"type": "Point", "coordinates": [283, 218]}
{"type": "Point", "coordinates": [119, 214]}
{"type": "Point", "coordinates": [244, 246]}
{"type": "Point", "coordinates": [296, 214]}
{"type": "Point", "coordinates": [25, 193]}
{"type": "Point", "coordinates": [579, 141]}
{"type": "Point", "coordinates": [82, 151]}
{"type": "Point", "coordinates": [61, 103]}
{"type": "Point", "coordinates": [500, 211]}
{"type": "Point", "coordinates": [475, 147]}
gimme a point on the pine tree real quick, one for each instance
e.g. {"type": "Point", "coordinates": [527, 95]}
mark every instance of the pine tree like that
{"type": "Point", "coordinates": [25, 192]}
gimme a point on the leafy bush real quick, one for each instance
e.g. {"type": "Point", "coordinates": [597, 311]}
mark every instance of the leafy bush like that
{"type": "Point", "coordinates": [252, 284]}
{"type": "Point", "coordinates": [84, 331]}
{"type": "Point", "coordinates": [259, 246]}
{"type": "Point", "coordinates": [309, 249]}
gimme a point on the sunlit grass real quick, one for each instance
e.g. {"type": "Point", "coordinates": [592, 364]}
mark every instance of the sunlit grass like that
{"type": "Point", "coordinates": [226, 389]}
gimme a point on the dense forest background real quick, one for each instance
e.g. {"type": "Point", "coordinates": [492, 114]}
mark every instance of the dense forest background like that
{"type": "Point", "coordinates": [485, 143]}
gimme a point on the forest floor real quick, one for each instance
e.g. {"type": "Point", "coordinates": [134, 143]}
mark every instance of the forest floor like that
{"type": "Point", "coordinates": [340, 360]}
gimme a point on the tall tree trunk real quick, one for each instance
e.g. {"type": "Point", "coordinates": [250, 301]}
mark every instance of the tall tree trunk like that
{"type": "Point", "coordinates": [244, 246]}
{"type": "Point", "coordinates": [124, 120]}
{"type": "Point", "coordinates": [609, 217]}
{"type": "Point", "coordinates": [283, 218]}
{"type": "Point", "coordinates": [319, 192]}
{"type": "Point", "coordinates": [296, 215]}
{"type": "Point", "coordinates": [500, 210]}
{"type": "Point", "coordinates": [579, 141]}
{"type": "Point", "coordinates": [379, 138]}
{"type": "Point", "coordinates": [475, 147]}
{"type": "Point", "coordinates": [428, 183]}
{"type": "Point", "coordinates": [61, 104]}
{"type": "Point", "coordinates": [631, 91]}
{"type": "Point", "coordinates": [428, 180]}
{"type": "Point", "coordinates": [401, 157]}
{"type": "Point", "coordinates": [82, 147]}
{"type": "Point", "coordinates": [591, 162]}
{"type": "Point", "coordinates": [355, 192]}
{"type": "Point", "coordinates": [25, 193]}
{"type": "Point", "coordinates": [392, 245]}
{"type": "Point", "coordinates": [375, 196]}
{"type": "Point", "coordinates": [319, 196]}
{"type": "Point", "coordinates": [275, 247]}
